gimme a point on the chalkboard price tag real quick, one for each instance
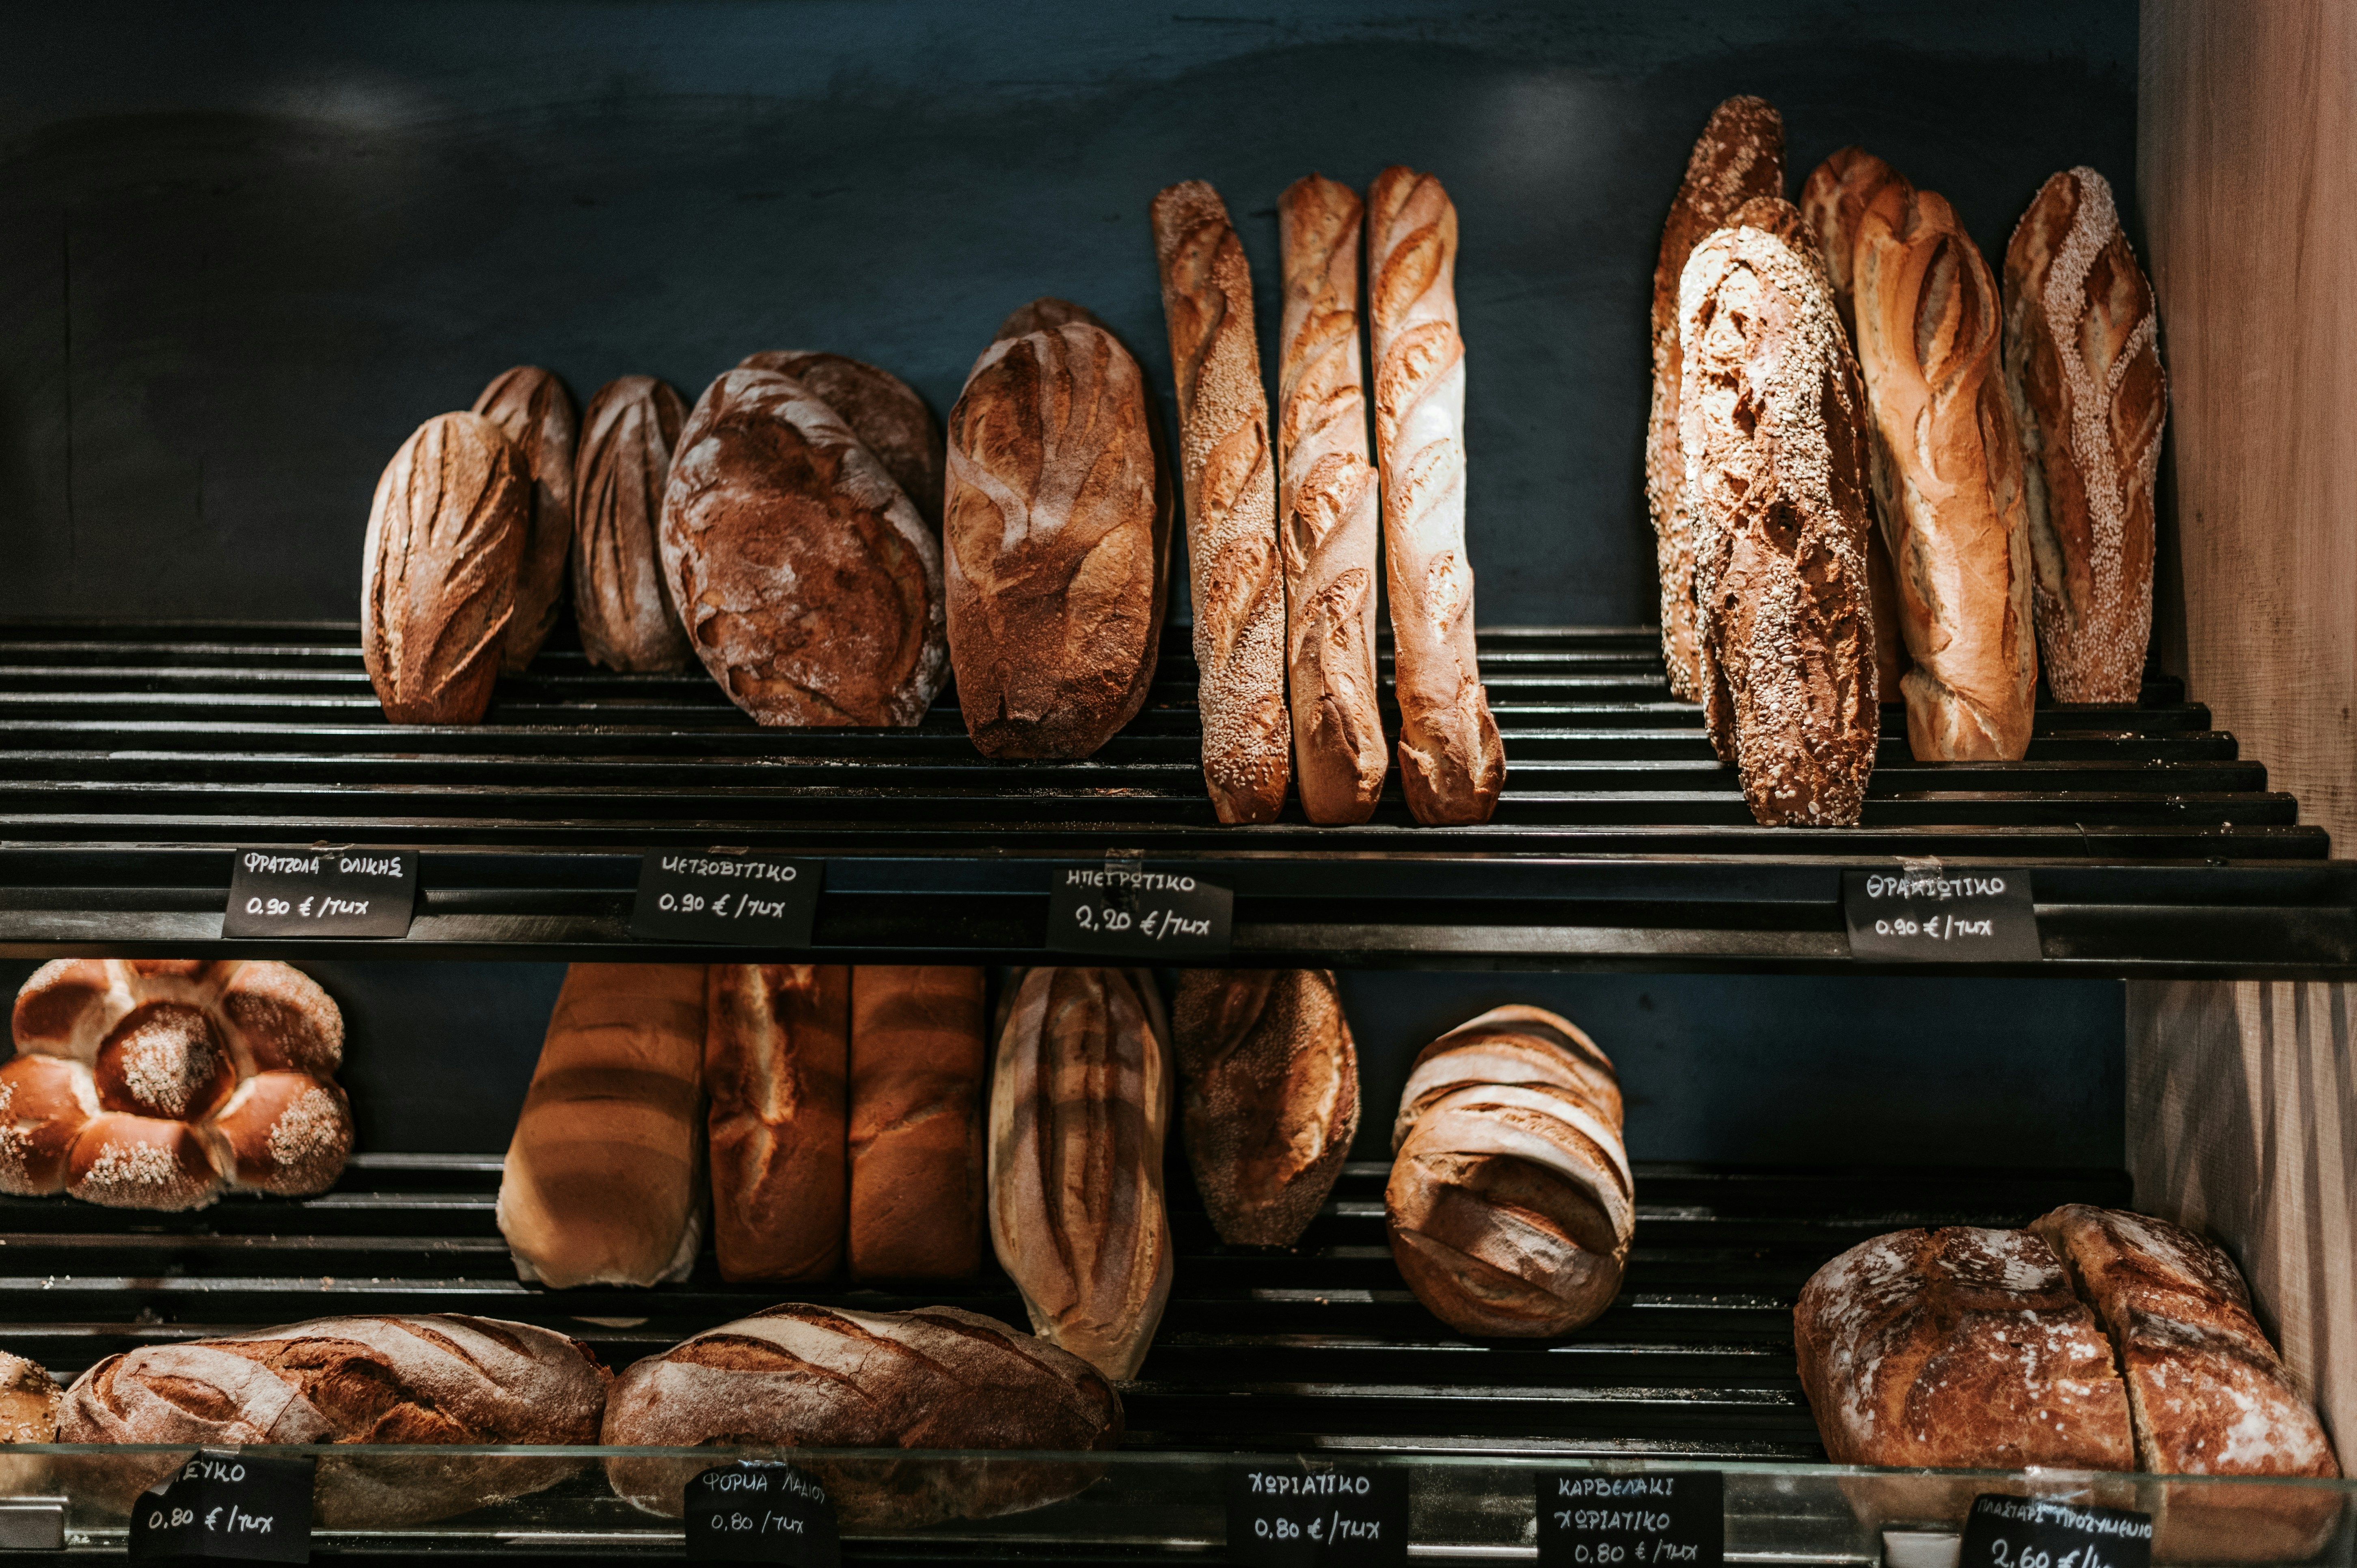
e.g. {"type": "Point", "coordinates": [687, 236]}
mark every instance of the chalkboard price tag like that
{"type": "Point", "coordinates": [756, 1511]}
{"type": "Point", "coordinates": [745, 900]}
{"type": "Point", "coordinates": [1125, 909]}
{"type": "Point", "coordinates": [321, 893]}
{"type": "Point", "coordinates": [1924, 913]}
{"type": "Point", "coordinates": [1286, 1515]}
{"type": "Point", "coordinates": [1588, 1520]}
{"type": "Point", "coordinates": [2032, 1532]}
{"type": "Point", "coordinates": [227, 1505]}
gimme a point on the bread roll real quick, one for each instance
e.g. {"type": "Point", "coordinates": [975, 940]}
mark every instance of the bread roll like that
{"type": "Point", "coordinates": [1056, 541]}
{"type": "Point", "coordinates": [1327, 507]}
{"type": "Point", "coordinates": [1947, 477]}
{"type": "Point", "coordinates": [920, 1174]}
{"type": "Point", "coordinates": [1269, 1096]}
{"type": "Point", "coordinates": [775, 1059]}
{"type": "Point", "coordinates": [809, 586]}
{"type": "Point", "coordinates": [2083, 370]}
{"type": "Point", "coordinates": [885, 412]}
{"type": "Point", "coordinates": [1773, 436]}
{"type": "Point", "coordinates": [621, 597]}
{"type": "Point", "coordinates": [1452, 763]}
{"type": "Point", "coordinates": [1231, 492]}
{"type": "Point", "coordinates": [1740, 155]}
{"type": "Point", "coordinates": [1080, 1100]}
{"type": "Point", "coordinates": [604, 1179]}
{"type": "Point", "coordinates": [534, 411]}
{"type": "Point", "coordinates": [446, 534]}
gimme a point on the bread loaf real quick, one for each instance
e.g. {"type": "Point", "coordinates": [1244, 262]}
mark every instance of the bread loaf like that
{"type": "Point", "coordinates": [775, 1060]}
{"type": "Point", "coordinates": [1080, 1100]}
{"type": "Point", "coordinates": [604, 1179]}
{"type": "Point", "coordinates": [1948, 479]}
{"type": "Point", "coordinates": [30, 1401]}
{"type": "Point", "coordinates": [1056, 541]}
{"type": "Point", "coordinates": [438, 570]}
{"type": "Point", "coordinates": [2082, 368]}
{"type": "Point", "coordinates": [1327, 507]}
{"type": "Point", "coordinates": [1452, 763]}
{"type": "Point", "coordinates": [885, 412]}
{"type": "Point", "coordinates": [534, 411]}
{"type": "Point", "coordinates": [919, 1171]}
{"type": "Point", "coordinates": [1511, 1206]}
{"type": "Point", "coordinates": [1229, 486]}
{"type": "Point", "coordinates": [1773, 435]}
{"type": "Point", "coordinates": [1958, 1347]}
{"type": "Point", "coordinates": [621, 599]}
{"type": "Point", "coordinates": [813, 1377]}
{"type": "Point", "coordinates": [1269, 1096]}
{"type": "Point", "coordinates": [1740, 155]}
{"type": "Point", "coordinates": [809, 586]}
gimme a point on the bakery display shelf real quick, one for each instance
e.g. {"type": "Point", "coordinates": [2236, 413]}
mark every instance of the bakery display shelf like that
{"type": "Point", "coordinates": [133, 757]}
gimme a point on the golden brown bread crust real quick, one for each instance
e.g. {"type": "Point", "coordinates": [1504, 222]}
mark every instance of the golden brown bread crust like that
{"type": "Point", "coordinates": [885, 412]}
{"type": "Point", "coordinates": [919, 1172]}
{"type": "Point", "coordinates": [775, 1062]}
{"type": "Point", "coordinates": [622, 597]}
{"type": "Point", "coordinates": [446, 534]}
{"type": "Point", "coordinates": [1229, 486]}
{"type": "Point", "coordinates": [30, 1401]}
{"type": "Point", "coordinates": [807, 584]}
{"type": "Point", "coordinates": [1738, 155]}
{"type": "Point", "coordinates": [1328, 506]}
{"type": "Point", "coordinates": [2082, 368]}
{"type": "Point", "coordinates": [534, 411]}
{"type": "Point", "coordinates": [1772, 432]}
{"type": "Point", "coordinates": [1268, 1094]}
{"type": "Point", "coordinates": [1511, 1045]}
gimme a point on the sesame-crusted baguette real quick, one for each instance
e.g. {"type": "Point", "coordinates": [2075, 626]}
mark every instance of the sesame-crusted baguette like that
{"type": "Point", "coordinates": [1452, 763]}
{"type": "Point", "coordinates": [1230, 486]}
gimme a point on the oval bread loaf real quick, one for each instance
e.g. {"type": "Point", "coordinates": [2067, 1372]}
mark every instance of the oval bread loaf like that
{"type": "Point", "coordinates": [622, 597]}
{"type": "Point", "coordinates": [883, 410]}
{"type": "Point", "coordinates": [776, 1057]}
{"type": "Point", "coordinates": [534, 411]}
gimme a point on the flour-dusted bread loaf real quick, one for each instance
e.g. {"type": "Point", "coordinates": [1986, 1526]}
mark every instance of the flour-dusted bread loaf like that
{"type": "Point", "coordinates": [1079, 1101]}
{"type": "Point", "coordinates": [1959, 1348]}
{"type": "Point", "coordinates": [1516, 1046]}
{"type": "Point", "coordinates": [919, 1171]}
{"type": "Point", "coordinates": [815, 1377]}
{"type": "Point", "coordinates": [808, 583]}
{"type": "Point", "coordinates": [1268, 1095]}
{"type": "Point", "coordinates": [446, 534]}
{"type": "Point", "coordinates": [885, 412]}
{"type": "Point", "coordinates": [1229, 479]}
{"type": "Point", "coordinates": [1738, 155]}
{"type": "Point", "coordinates": [1947, 477]}
{"type": "Point", "coordinates": [1056, 541]}
{"type": "Point", "coordinates": [534, 411]}
{"type": "Point", "coordinates": [604, 1178]}
{"type": "Point", "coordinates": [2082, 368]}
{"type": "Point", "coordinates": [1328, 506]}
{"type": "Point", "coordinates": [621, 599]}
{"type": "Point", "coordinates": [776, 1056]}
{"type": "Point", "coordinates": [1773, 433]}
{"type": "Point", "coordinates": [1452, 763]}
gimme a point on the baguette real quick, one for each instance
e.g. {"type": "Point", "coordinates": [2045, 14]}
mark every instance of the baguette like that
{"type": "Point", "coordinates": [621, 597]}
{"type": "Point", "coordinates": [776, 1058]}
{"type": "Point", "coordinates": [919, 1172]}
{"type": "Point", "coordinates": [534, 411]}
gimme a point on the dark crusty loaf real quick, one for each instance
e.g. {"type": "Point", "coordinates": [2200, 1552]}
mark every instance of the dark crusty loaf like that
{"type": "Point", "coordinates": [919, 1169]}
{"type": "Point", "coordinates": [882, 409]}
{"type": "Point", "coordinates": [776, 1054]}
{"type": "Point", "coordinates": [534, 411]}
{"type": "Point", "coordinates": [621, 597]}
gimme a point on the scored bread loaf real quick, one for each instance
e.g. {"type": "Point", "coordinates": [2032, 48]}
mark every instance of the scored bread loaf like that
{"type": "Point", "coordinates": [621, 597]}
{"type": "Point", "coordinates": [2082, 368]}
{"type": "Point", "coordinates": [1230, 485]}
{"type": "Point", "coordinates": [1513, 1044]}
{"type": "Point", "coordinates": [446, 533]}
{"type": "Point", "coordinates": [1452, 763]}
{"type": "Point", "coordinates": [1947, 477]}
{"type": "Point", "coordinates": [604, 1178]}
{"type": "Point", "coordinates": [1738, 155]}
{"type": "Point", "coordinates": [1328, 506]}
{"type": "Point", "coordinates": [885, 412]}
{"type": "Point", "coordinates": [1080, 1101]}
{"type": "Point", "coordinates": [775, 1058]}
{"type": "Point", "coordinates": [1056, 539]}
{"type": "Point", "coordinates": [1772, 432]}
{"type": "Point", "coordinates": [1268, 1093]}
{"type": "Point", "coordinates": [919, 1170]}
{"type": "Point", "coordinates": [534, 411]}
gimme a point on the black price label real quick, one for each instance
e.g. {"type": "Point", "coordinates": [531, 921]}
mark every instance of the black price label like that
{"type": "Point", "coordinates": [1928, 914]}
{"type": "Point", "coordinates": [1632, 1521]}
{"type": "Point", "coordinates": [321, 893]}
{"type": "Point", "coordinates": [749, 900]}
{"type": "Point", "coordinates": [1126, 910]}
{"type": "Point", "coordinates": [756, 1511]}
{"type": "Point", "coordinates": [2032, 1532]}
{"type": "Point", "coordinates": [1285, 1515]}
{"type": "Point", "coordinates": [227, 1505]}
